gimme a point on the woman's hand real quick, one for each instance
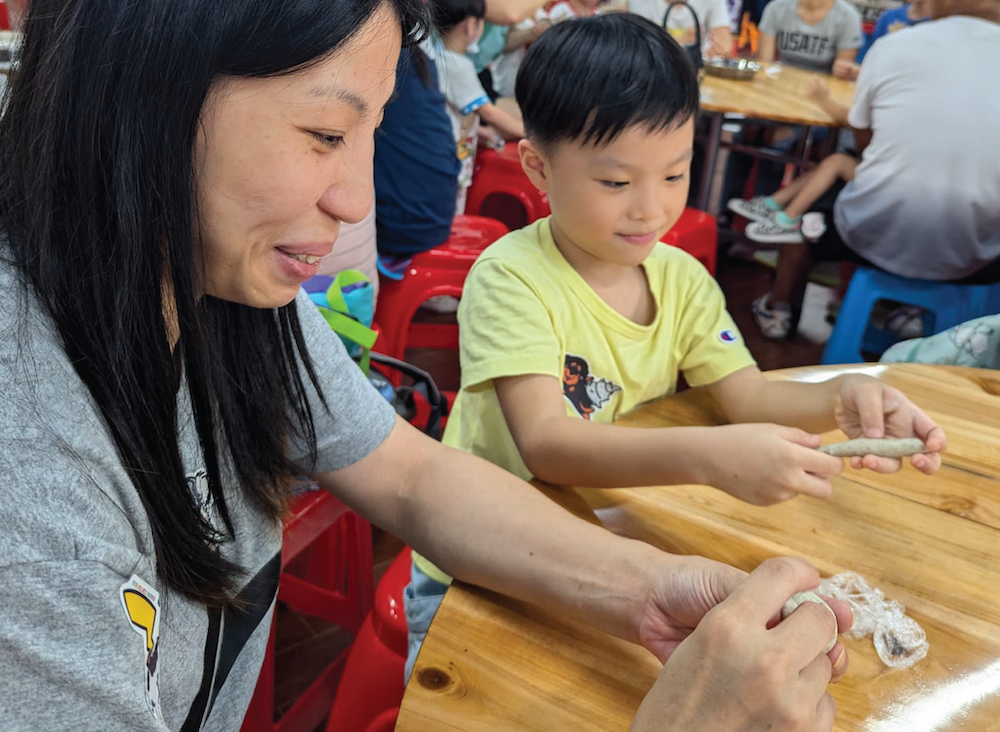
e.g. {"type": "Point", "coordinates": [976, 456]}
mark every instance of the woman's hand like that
{"type": "Point", "coordinates": [764, 464]}
{"type": "Point", "coordinates": [867, 407]}
{"type": "Point", "coordinates": [741, 670]}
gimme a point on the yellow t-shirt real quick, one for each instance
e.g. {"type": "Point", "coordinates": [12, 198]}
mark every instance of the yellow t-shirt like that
{"type": "Point", "coordinates": [525, 310]}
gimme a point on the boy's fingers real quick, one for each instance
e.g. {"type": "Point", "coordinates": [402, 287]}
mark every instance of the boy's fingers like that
{"type": "Point", "coordinates": [881, 464]}
{"type": "Point", "coordinates": [868, 402]}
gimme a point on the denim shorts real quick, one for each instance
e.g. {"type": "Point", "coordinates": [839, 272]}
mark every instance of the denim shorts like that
{"type": "Point", "coordinates": [421, 599]}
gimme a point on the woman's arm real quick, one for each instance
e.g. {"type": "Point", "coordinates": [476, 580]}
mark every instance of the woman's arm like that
{"type": "Point", "coordinates": [483, 525]}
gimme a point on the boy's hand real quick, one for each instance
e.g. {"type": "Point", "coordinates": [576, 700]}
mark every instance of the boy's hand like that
{"type": "Point", "coordinates": [868, 408]}
{"type": "Point", "coordinates": [767, 463]}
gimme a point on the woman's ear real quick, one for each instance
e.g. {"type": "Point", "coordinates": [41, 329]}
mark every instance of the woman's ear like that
{"type": "Point", "coordinates": [535, 164]}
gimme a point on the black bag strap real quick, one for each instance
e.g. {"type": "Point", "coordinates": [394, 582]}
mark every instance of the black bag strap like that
{"type": "Point", "coordinates": [423, 382]}
{"type": "Point", "coordinates": [693, 51]}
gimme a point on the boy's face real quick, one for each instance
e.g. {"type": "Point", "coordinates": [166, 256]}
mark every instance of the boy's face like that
{"type": "Point", "coordinates": [615, 202]}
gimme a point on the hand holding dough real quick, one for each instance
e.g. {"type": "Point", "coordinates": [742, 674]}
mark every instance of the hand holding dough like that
{"type": "Point", "coordinates": [879, 448]}
{"type": "Point", "coordinates": [800, 597]}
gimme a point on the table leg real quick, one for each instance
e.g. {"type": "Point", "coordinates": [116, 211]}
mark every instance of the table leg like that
{"type": "Point", "coordinates": [711, 158]}
{"type": "Point", "coordinates": [807, 145]}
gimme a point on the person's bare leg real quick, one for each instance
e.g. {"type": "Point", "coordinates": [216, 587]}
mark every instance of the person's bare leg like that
{"type": "Point", "coordinates": [784, 196]}
{"type": "Point", "coordinates": [819, 181]}
{"type": "Point", "coordinates": [794, 263]}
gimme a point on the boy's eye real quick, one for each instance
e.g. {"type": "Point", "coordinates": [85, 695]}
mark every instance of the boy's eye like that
{"type": "Point", "coordinates": [331, 141]}
{"type": "Point", "coordinates": [614, 184]}
{"type": "Point", "coordinates": [676, 178]}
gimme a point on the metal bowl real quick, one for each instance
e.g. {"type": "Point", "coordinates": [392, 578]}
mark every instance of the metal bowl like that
{"type": "Point", "coordinates": [732, 68]}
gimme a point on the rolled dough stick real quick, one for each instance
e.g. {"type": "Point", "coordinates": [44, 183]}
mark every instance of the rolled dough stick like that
{"type": "Point", "coordinates": [800, 597]}
{"type": "Point", "coordinates": [880, 448]}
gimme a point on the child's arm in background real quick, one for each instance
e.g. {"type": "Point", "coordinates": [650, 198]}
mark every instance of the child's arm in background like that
{"type": "Point", "coordinates": [859, 405]}
{"type": "Point", "coordinates": [819, 92]}
{"type": "Point", "coordinates": [760, 464]}
{"type": "Point", "coordinates": [501, 121]}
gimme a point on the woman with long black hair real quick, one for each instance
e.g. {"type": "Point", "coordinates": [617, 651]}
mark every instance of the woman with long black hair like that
{"type": "Point", "coordinates": [171, 171]}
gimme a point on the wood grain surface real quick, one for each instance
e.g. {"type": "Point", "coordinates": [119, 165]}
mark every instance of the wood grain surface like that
{"type": "Point", "coordinates": [777, 92]}
{"type": "Point", "coordinates": [491, 663]}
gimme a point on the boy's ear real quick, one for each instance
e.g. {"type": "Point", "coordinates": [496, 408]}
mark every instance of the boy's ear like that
{"type": "Point", "coordinates": [534, 163]}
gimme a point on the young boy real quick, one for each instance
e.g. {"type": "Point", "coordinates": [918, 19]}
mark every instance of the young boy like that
{"type": "Point", "coordinates": [585, 315]}
{"type": "Point", "coordinates": [458, 25]}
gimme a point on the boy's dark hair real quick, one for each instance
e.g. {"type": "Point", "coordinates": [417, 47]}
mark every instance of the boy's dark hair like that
{"type": "Point", "coordinates": [449, 13]}
{"type": "Point", "coordinates": [592, 78]}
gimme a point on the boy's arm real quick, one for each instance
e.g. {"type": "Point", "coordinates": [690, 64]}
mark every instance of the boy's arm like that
{"type": "Point", "coordinates": [859, 405]}
{"type": "Point", "coordinates": [760, 464]}
{"type": "Point", "coordinates": [501, 121]}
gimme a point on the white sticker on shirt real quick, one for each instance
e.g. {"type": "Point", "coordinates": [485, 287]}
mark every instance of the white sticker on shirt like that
{"type": "Point", "coordinates": [142, 607]}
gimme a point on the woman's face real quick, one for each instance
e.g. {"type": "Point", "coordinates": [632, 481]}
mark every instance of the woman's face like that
{"type": "Point", "coordinates": [280, 162]}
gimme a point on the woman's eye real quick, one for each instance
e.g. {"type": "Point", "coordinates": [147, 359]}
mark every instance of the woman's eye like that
{"type": "Point", "coordinates": [614, 184]}
{"type": "Point", "coordinates": [331, 141]}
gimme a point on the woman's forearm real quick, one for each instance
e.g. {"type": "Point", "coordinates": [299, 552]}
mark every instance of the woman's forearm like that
{"type": "Point", "coordinates": [483, 525]}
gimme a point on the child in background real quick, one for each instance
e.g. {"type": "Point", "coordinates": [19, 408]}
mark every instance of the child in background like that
{"type": "Point", "coordinates": [585, 315]}
{"type": "Point", "coordinates": [459, 24]}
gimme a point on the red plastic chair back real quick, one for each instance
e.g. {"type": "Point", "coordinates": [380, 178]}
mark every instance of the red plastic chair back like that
{"type": "Point", "coordinates": [371, 689]}
{"type": "Point", "coordinates": [501, 190]}
{"type": "Point", "coordinates": [697, 233]}
{"type": "Point", "coordinates": [438, 271]}
{"type": "Point", "coordinates": [326, 572]}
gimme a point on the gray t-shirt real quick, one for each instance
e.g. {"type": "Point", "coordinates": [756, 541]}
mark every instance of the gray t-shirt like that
{"type": "Point", "coordinates": [811, 47]}
{"type": "Point", "coordinates": [91, 639]}
{"type": "Point", "coordinates": [925, 200]}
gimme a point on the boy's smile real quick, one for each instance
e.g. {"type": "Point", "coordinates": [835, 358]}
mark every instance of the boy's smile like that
{"type": "Point", "coordinates": [612, 203]}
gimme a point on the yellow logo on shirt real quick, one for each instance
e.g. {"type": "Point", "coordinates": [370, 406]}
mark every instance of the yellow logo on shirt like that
{"type": "Point", "coordinates": [142, 607]}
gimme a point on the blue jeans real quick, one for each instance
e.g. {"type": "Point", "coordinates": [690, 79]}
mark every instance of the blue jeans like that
{"type": "Point", "coordinates": [421, 599]}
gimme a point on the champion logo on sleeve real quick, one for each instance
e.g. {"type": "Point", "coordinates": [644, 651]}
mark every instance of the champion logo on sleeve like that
{"type": "Point", "coordinates": [728, 336]}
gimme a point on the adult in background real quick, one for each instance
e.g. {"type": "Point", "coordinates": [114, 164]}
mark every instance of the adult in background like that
{"type": "Point", "coordinates": [925, 200]}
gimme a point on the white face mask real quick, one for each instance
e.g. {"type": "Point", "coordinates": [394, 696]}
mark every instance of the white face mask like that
{"type": "Point", "coordinates": [473, 46]}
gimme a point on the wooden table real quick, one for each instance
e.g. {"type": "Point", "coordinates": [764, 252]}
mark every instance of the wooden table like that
{"type": "Point", "coordinates": [491, 663]}
{"type": "Point", "coordinates": [777, 93]}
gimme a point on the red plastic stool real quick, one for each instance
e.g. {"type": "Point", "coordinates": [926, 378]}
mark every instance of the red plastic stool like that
{"type": "Point", "coordinates": [696, 233]}
{"type": "Point", "coordinates": [326, 572]}
{"type": "Point", "coordinates": [372, 686]}
{"type": "Point", "coordinates": [501, 190]}
{"type": "Point", "coordinates": [438, 271]}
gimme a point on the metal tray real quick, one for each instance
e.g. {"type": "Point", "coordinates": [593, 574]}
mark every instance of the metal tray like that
{"type": "Point", "coordinates": [732, 68]}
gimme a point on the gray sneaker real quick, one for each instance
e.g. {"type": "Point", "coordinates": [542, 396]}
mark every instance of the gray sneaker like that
{"type": "Point", "coordinates": [753, 209]}
{"type": "Point", "coordinates": [771, 231]}
{"type": "Point", "coordinates": [774, 322]}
